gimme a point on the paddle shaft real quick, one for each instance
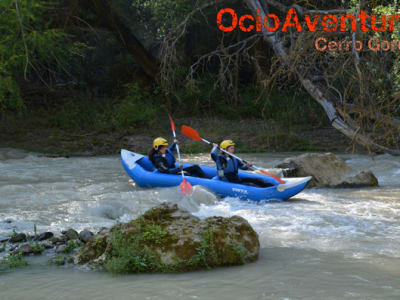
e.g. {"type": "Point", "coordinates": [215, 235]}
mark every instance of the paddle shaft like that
{"type": "Point", "coordinates": [253, 167]}
{"type": "Point", "coordinates": [233, 155]}
{"type": "Point", "coordinates": [178, 152]}
{"type": "Point", "coordinates": [193, 134]}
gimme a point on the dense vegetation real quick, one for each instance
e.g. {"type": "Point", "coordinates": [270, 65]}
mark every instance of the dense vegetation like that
{"type": "Point", "coordinates": [100, 65]}
{"type": "Point", "coordinates": [60, 67]}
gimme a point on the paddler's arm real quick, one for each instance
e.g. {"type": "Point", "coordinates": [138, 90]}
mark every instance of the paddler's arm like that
{"type": "Point", "coordinates": [243, 166]}
{"type": "Point", "coordinates": [216, 157]}
{"type": "Point", "coordinates": [173, 146]}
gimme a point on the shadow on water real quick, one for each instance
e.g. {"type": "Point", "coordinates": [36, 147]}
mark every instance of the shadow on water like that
{"type": "Point", "coordinates": [300, 200]}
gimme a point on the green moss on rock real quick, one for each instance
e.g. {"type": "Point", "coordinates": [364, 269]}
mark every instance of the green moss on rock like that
{"type": "Point", "coordinates": [167, 239]}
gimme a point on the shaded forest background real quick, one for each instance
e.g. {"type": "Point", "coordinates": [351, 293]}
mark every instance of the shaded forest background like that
{"type": "Point", "coordinates": [102, 66]}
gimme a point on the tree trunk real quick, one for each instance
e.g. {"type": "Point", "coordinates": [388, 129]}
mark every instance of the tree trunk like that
{"type": "Point", "coordinates": [339, 120]}
{"type": "Point", "coordinates": [110, 20]}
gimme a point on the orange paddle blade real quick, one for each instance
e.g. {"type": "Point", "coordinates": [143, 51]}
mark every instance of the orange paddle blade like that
{"type": "Point", "coordinates": [190, 133]}
{"type": "Point", "coordinates": [185, 187]}
{"type": "Point", "coordinates": [172, 122]}
{"type": "Point", "coordinates": [273, 176]}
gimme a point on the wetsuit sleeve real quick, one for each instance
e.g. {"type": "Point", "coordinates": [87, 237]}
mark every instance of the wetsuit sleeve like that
{"type": "Point", "coordinates": [161, 164]}
{"type": "Point", "coordinates": [172, 147]}
{"type": "Point", "coordinates": [242, 166]}
{"type": "Point", "coordinates": [216, 158]}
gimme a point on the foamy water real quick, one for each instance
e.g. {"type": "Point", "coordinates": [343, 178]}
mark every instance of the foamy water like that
{"type": "Point", "coordinates": [349, 237]}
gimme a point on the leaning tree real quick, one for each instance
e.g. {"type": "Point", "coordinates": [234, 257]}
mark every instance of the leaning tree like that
{"type": "Point", "coordinates": [357, 88]}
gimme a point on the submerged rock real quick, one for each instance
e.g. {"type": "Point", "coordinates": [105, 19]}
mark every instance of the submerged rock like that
{"type": "Point", "coordinates": [18, 238]}
{"type": "Point", "coordinates": [3, 239]}
{"type": "Point", "coordinates": [61, 248]}
{"type": "Point", "coordinates": [71, 234]}
{"type": "Point", "coordinates": [25, 249]}
{"type": "Point", "coordinates": [327, 170]}
{"type": "Point", "coordinates": [85, 235]}
{"type": "Point", "coordinates": [167, 238]}
{"type": "Point", "coordinates": [364, 178]}
{"type": "Point", "coordinates": [59, 239]}
{"type": "Point", "coordinates": [47, 244]}
{"type": "Point", "coordinates": [44, 236]}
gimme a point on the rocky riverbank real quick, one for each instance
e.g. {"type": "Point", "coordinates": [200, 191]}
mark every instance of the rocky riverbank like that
{"type": "Point", "coordinates": [59, 247]}
{"type": "Point", "coordinates": [163, 239]}
{"type": "Point", "coordinates": [249, 135]}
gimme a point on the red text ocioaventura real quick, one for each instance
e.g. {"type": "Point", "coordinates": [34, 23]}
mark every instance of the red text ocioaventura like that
{"type": "Point", "coordinates": [329, 22]}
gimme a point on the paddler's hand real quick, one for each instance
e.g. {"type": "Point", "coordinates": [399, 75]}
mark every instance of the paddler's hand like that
{"type": "Point", "coordinates": [215, 145]}
{"type": "Point", "coordinates": [221, 173]}
{"type": "Point", "coordinates": [249, 165]}
{"type": "Point", "coordinates": [176, 141]}
{"type": "Point", "coordinates": [180, 166]}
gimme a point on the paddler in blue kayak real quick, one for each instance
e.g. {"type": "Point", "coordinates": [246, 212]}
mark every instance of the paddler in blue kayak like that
{"type": "Point", "coordinates": [164, 160]}
{"type": "Point", "coordinates": [228, 166]}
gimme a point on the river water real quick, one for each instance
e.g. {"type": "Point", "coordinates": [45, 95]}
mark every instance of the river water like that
{"type": "Point", "coordinates": [322, 244]}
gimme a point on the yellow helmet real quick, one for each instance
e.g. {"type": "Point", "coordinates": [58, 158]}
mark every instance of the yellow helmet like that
{"type": "Point", "coordinates": [226, 143]}
{"type": "Point", "coordinates": [159, 142]}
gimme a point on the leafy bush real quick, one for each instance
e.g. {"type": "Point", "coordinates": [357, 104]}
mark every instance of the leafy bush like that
{"type": "Point", "coordinates": [14, 261]}
{"type": "Point", "coordinates": [70, 246]}
{"type": "Point", "coordinates": [138, 108]}
{"type": "Point", "coordinates": [154, 233]}
{"type": "Point", "coordinates": [37, 248]}
{"type": "Point", "coordinates": [30, 48]}
{"type": "Point", "coordinates": [58, 260]}
{"type": "Point", "coordinates": [129, 255]}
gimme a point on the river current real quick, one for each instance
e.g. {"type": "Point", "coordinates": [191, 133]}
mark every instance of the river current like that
{"type": "Point", "coordinates": [321, 244]}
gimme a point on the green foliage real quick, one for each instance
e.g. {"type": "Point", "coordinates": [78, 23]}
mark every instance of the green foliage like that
{"type": "Point", "coordinates": [194, 148]}
{"type": "Point", "coordinates": [129, 255]}
{"type": "Point", "coordinates": [138, 108]}
{"type": "Point", "coordinates": [251, 102]}
{"type": "Point", "coordinates": [154, 233]}
{"type": "Point", "coordinates": [206, 252]}
{"type": "Point", "coordinates": [71, 246]}
{"type": "Point", "coordinates": [75, 115]}
{"type": "Point", "coordinates": [37, 248]}
{"type": "Point", "coordinates": [239, 250]}
{"type": "Point", "coordinates": [14, 261]}
{"type": "Point", "coordinates": [287, 141]}
{"type": "Point", "coordinates": [58, 260]}
{"type": "Point", "coordinates": [10, 96]}
{"type": "Point", "coordinates": [165, 14]}
{"type": "Point", "coordinates": [30, 47]}
{"type": "Point", "coordinates": [13, 234]}
{"type": "Point", "coordinates": [132, 254]}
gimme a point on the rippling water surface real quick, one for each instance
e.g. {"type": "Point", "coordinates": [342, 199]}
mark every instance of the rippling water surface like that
{"type": "Point", "coordinates": [322, 244]}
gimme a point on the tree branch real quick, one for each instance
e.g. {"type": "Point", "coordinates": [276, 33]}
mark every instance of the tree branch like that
{"type": "Point", "coordinates": [302, 10]}
{"type": "Point", "coordinates": [336, 117]}
{"type": "Point", "coordinates": [23, 38]}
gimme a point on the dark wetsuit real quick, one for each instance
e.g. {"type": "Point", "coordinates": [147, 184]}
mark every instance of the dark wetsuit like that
{"type": "Point", "coordinates": [231, 166]}
{"type": "Point", "coordinates": [165, 163]}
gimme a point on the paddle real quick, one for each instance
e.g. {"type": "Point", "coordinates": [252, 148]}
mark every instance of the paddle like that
{"type": "Point", "coordinates": [194, 135]}
{"type": "Point", "coordinates": [185, 186]}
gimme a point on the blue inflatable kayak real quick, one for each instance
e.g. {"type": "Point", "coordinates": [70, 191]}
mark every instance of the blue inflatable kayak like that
{"type": "Point", "coordinates": [142, 171]}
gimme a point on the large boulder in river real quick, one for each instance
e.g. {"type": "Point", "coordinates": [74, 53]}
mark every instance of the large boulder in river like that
{"type": "Point", "coordinates": [168, 239]}
{"type": "Point", "coordinates": [327, 170]}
